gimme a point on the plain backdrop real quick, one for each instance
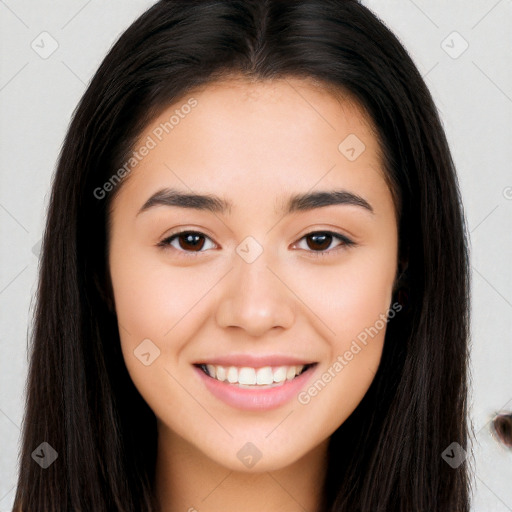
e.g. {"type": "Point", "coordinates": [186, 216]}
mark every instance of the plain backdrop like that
{"type": "Point", "coordinates": [463, 50]}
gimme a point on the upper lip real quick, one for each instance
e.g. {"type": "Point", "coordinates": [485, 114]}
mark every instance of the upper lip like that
{"type": "Point", "coordinates": [254, 361]}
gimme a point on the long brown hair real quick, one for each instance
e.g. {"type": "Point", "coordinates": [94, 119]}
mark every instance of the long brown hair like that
{"type": "Point", "coordinates": [387, 456]}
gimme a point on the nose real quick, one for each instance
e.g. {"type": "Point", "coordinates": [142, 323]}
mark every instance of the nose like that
{"type": "Point", "coordinates": [256, 298]}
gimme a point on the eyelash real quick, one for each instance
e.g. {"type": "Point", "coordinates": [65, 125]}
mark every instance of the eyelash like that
{"type": "Point", "coordinates": [346, 242]}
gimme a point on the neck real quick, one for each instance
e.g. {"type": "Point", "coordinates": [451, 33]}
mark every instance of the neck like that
{"type": "Point", "coordinates": [189, 481]}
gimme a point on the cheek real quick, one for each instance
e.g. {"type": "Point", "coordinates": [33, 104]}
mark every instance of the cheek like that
{"type": "Point", "coordinates": [150, 297]}
{"type": "Point", "coordinates": [157, 301]}
{"type": "Point", "coordinates": [351, 296]}
{"type": "Point", "coordinates": [139, 299]}
{"type": "Point", "coordinates": [352, 301]}
{"type": "Point", "coordinates": [155, 308]}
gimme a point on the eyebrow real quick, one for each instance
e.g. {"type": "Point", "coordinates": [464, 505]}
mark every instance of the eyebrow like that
{"type": "Point", "coordinates": [215, 204]}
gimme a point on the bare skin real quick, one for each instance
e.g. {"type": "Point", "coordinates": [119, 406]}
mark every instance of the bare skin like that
{"type": "Point", "coordinates": [253, 144]}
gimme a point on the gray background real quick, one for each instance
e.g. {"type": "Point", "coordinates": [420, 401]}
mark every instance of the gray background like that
{"type": "Point", "coordinates": [473, 91]}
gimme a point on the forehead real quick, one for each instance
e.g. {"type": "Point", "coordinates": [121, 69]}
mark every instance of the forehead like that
{"type": "Point", "coordinates": [272, 134]}
{"type": "Point", "coordinates": [280, 102]}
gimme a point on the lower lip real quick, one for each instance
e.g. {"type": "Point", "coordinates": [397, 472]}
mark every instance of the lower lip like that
{"type": "Point", "coordinates": [255, 399]}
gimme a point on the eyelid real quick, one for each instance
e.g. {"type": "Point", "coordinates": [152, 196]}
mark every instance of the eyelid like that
{"type": "Point", "coordinates": [345, 241]}
{"type": "Point", "coordinates": [165, 243]}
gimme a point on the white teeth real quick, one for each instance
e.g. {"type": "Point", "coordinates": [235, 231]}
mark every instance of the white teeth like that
{"type": "Point", "coordinates": [290, 373]}
{"type": "Point", "coordinates": [247, 376]}
{"type": "Point", "coordinates": [280, 373]}
{"type": "Point", "coordinates": [265, 375]}
{"type": "Point", "coordinates": [211, 369]}
{"type": "Point", "coordinates": [221, 373]}
{"type": "Point", "coordinates": [232, 375]}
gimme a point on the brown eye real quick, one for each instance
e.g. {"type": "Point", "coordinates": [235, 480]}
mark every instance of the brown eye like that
{"type": "Point", "coordinates": [191, 241]}
{"type": "Point", "coordinates": [319, 242]}
{"type": "Point", "coordinates": [186, 241]}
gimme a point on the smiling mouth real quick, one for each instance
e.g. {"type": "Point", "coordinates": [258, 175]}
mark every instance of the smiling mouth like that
{"type": "Point", "coordinates": [254, 378]}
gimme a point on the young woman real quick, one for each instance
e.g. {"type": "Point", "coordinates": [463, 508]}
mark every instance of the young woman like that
{"type": "Point", "coordinates": [254, 280]}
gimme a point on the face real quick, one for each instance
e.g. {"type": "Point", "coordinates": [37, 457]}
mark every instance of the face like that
{"type": "Point", "coordinates": [255, 313]}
